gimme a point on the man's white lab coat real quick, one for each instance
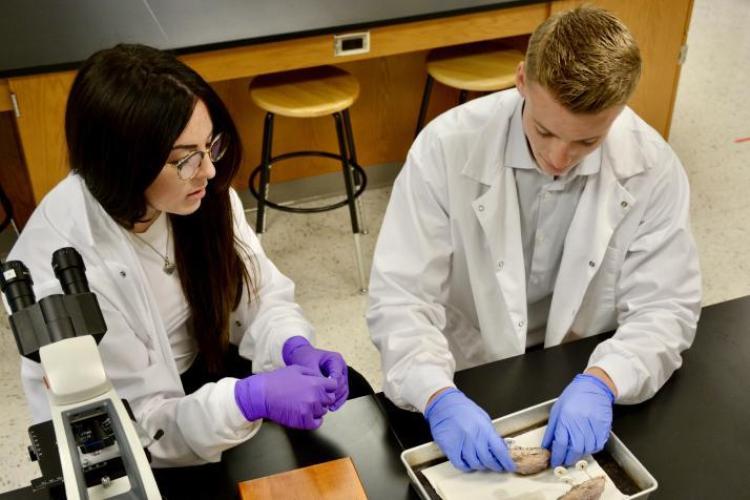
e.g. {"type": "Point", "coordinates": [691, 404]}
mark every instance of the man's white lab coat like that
{"type": "Point", "coordinates": [135, 350]}
{"type": "Point", "coordinates": [448, 291]}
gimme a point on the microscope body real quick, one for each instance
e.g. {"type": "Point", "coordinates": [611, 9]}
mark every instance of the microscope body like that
{"type": "Point", "coordinates": [101, 452]}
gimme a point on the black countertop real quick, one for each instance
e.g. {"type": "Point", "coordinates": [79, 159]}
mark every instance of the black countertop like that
{"type": "Point", "coordinates": [693, 436]}
{"type": "Point", "coordinates": [49, 35]}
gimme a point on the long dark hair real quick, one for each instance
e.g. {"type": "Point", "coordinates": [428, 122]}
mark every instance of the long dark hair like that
{"type": "Point", "coordinates": [127, 106]}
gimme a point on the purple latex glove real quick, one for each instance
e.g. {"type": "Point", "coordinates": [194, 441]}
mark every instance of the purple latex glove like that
{"type": "Point", "coordinates": [293, 396]}
{"type": "Point", "coordinates": [580, 420]}
{"type": "Point", "coordinates": [298, 351]}
{"type": "Point", "coordinates": [465, 433]}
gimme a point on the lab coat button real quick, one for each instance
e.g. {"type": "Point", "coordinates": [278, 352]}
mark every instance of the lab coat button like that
{"type": "Point", "coordinates": [521, 323]}
{"type": "Point", "coordinates": [500, 264]}
{"type": "Point", "coordinates": [237, 323]}
{"type": "Point", "coordinates": [123, 274]}
{"type": "Point", "coordinates": [624, 204]}
{"type": "Point", "coordinates": [592, 263]}
{"type": "Point", "coordinates": [480, 208]}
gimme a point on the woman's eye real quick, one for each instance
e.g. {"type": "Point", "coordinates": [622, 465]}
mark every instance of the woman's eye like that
{"type": "Point", "coordinates": [543, 133]}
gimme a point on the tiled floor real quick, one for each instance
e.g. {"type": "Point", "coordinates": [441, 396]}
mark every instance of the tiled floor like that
{"type": "Point", "coordinates": [317, 251]}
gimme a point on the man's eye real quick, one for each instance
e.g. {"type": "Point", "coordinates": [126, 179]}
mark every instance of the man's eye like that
{"type": "Point", "coordinates": [543, 133]}
{"type": "Point", "coordinates": [588, 143]}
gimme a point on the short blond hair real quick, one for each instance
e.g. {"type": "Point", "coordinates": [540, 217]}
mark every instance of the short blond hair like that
{"type": "Point", "coordinates": [586, 57]}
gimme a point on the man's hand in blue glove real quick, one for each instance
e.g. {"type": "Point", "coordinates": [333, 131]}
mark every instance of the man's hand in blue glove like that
{"type": "Point", "coordinates": [580, 420]}
{"type": "Point", "coordinates": [298, 351]}
{"type": "Point", "coordinates": [465, 433]}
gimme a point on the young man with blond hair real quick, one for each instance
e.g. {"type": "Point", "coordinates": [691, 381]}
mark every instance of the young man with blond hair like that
{"type": "Point", "coordinates": [536, 216]}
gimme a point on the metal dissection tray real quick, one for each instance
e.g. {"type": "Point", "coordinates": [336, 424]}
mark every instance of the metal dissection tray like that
{"type": "Point", "coordinates": [628, 474]}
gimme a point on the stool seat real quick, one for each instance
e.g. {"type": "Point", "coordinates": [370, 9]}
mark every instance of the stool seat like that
{"type": "Point", "coordinates": [306, 93]}
{"type": "Point", "coordinates": [481, 69]}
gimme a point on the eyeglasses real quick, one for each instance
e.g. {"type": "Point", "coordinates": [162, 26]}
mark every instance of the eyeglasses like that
{"type": "Point", "coordinates": [189, 165]}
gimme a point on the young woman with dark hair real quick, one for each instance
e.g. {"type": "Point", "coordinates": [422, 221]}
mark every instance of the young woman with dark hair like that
{"type": "Point", "coordinates": [192, 304]}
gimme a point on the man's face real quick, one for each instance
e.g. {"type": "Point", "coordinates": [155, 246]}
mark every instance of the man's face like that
{"type": "Point", "coordinates": [558, 138]}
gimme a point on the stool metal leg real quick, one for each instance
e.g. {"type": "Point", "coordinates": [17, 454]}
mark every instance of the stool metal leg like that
{"type": "Point", "coordinates": [353, 161]}
{"type": "Point", "coordinates": [265, 174]}
{"type": "Point", "coordinates": [462, 96]}
{"type": "Point", "coordinates": [349, 184]}
{"type": "Point", "coordinates": [425, 104]}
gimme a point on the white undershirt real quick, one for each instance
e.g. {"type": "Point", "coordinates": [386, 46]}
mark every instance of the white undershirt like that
{"type": "Point", "coordinates": [170, 299]}
{"type": "Point", "coordinates": [547, 205]}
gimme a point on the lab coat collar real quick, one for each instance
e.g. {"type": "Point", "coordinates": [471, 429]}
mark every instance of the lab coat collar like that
{"type": "Point", "coordinates": [84, 219]}
{"type": "Point", "coordinates": [517, 154]}
{"type": "Point", "coordinates": [486, 160]}
{"type": "Point", "coordinates": [622, 150]}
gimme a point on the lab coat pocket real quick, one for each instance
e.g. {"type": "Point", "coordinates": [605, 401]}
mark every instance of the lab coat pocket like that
{"type": "Point", "coordinates": [464, 339]}
{"type": "Point", "coordinates": [598, 311]}
{"type": "Point", "coordinates": [120, 290]}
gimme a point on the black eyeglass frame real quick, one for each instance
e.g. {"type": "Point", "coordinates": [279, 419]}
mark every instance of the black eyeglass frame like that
{"type": "Point", "coordinates": [179, 164]}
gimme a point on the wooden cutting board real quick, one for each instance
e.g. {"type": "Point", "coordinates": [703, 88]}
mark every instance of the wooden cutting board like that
{"type": "Point", "coordinates": [332, 480]}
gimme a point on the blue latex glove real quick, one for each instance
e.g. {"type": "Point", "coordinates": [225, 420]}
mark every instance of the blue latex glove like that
{"type": "Point", "coordinates": [580, 420]}
{"type": "Point", "coordinates": [465, 434]}
{"type": "Point", "coordinates": [293, 396]}
{"type": "Point", "coordinates": [298, 351]}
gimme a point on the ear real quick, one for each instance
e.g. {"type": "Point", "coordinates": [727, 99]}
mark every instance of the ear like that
{"type": "Point", "coordinates": [521, 79]}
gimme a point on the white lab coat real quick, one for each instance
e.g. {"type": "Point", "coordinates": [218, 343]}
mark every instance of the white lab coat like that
{"type": "Point", "coordinates": [135, 350]}
{"type": "Point", "coordinates": [448, 291]}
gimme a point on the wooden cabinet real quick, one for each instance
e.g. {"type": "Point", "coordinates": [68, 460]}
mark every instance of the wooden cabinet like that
{"type": "Point", "coordinates": [391, 77]}
{"type": "Point", "coordinates": [41, 101]}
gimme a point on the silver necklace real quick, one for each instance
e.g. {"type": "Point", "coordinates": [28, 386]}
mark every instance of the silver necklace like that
{"type": "Point", "coordinates": [169, 266]}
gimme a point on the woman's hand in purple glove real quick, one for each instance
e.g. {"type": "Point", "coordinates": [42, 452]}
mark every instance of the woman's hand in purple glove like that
{"type": "Point", "coordinates": [293, 396]}
{"type": "Point", "coordinates": [580, 420]}
{"type": "Point", "coordinates": [298, 351]}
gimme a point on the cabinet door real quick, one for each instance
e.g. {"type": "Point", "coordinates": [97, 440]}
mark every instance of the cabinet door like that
{"type": "Point", "coordinates": [661, 30]}
{"type": "Point", "coordinates": [41, 127]}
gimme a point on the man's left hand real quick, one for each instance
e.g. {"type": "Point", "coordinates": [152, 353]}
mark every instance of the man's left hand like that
{"type": "Point", "coordinates": [580, 420]}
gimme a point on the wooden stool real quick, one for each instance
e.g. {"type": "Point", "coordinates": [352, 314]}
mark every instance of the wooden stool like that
{"type": "Point", "coordinates": [311, 93]}
{"type": "Point", "coordinates": [477, 68]}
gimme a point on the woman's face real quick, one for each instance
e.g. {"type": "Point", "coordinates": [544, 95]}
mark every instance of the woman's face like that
{"type": "Point", "coordinates": [169, 193]}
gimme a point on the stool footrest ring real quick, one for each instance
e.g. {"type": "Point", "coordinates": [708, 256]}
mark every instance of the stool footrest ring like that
{"type": "Point", "coordinates": [306, 210]}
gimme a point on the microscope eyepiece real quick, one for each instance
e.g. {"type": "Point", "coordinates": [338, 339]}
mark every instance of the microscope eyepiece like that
{"type": "Point", "coordinates": [16, 284]}
{"type": "Point", "coordinates": [70, 270]}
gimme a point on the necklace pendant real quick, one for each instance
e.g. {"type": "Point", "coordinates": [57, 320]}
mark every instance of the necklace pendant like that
{"type": "Point", "coordinates": [169, 267]}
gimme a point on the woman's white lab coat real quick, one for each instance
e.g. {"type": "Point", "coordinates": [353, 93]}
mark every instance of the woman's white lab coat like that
{"type": "Point", "coordinates": [135, 350]}
{"type": "Point", "coordinates": [448, 290]}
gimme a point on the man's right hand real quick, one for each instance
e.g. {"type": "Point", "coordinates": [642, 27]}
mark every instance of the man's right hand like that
{"type": "Point", "coordinates": [465, 433]}
{"type": "Point", "coordinates": [294, 396]}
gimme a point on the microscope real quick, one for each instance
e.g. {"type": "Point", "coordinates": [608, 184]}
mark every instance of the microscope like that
{"type": "Point", "coordinates": [101, 454]}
